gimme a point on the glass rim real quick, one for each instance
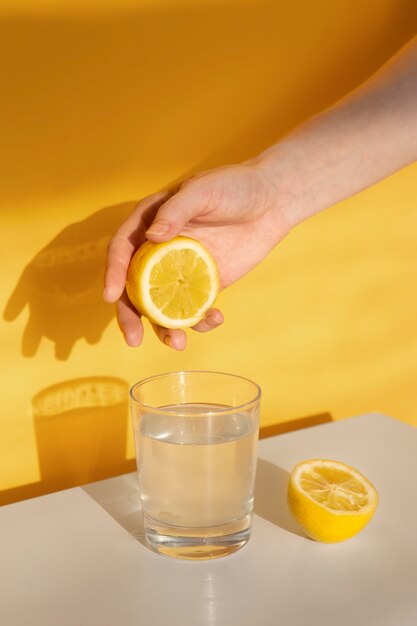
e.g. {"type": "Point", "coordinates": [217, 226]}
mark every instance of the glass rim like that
{"type": "Point", "coordinates": [227, 410]}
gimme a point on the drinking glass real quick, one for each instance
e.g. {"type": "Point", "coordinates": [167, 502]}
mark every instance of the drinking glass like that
{"type": "Point", "coordinates": [196, 436]}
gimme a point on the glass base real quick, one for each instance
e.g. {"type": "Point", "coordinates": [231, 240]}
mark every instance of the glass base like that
{"type": "Point", "coordinates": [209, 542]}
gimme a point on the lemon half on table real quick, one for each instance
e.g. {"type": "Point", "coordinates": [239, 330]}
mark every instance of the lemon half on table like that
{"type": "Point", "coordinates": [173, 283]}
{"type": "Point", "coordinates": [330, 500]}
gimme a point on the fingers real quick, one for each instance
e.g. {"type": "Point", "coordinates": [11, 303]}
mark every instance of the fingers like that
{"type": "Point", "coordinates": [127, 239]}
{"type": "Point", "coordinates": [119, 253]}
{"type": "Point", "coordinates": [131, 326]}
{"type": "Point", "coordinates": [174, 338]}
{"type": "Point", "coordinates": [159, 217]}
{"type": "Point", "coordinates": [212, 319]}
{"type": "Point", "coordinates": [171, 212]}
{"type": "Point", "coordinates": [129, 322]}
{"type": "Point", "coordinates": [177, 339]}
{"type": "Point", "coordinates": [189, 202]}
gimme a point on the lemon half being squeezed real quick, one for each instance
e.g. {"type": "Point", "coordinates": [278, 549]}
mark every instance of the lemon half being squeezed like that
{"type": "Point", "coordinates": [173, 283]}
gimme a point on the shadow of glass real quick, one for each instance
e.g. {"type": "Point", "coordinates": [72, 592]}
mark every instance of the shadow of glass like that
{"type": "Point", "coordinates": [63, 285]}
{"type": "Point", "coordinates": [81, 428]}
{"type": "Point", "coordinates": [119, 497]}
{"type": "Point", "coordinates": [271, 497]}
{"type": "Point", "coordinates": [81, 431]}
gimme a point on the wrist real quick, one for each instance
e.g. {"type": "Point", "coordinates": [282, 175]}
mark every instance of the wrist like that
{"type": "Point", "coordinates": [285, 174]}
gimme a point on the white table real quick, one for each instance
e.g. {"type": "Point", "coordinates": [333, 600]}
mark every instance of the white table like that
{"type": "Point", "coordinates": [76, 557]}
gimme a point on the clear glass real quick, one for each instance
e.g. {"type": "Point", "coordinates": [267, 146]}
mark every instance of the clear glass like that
{"type": "Point", "coordinates": [196, 439]}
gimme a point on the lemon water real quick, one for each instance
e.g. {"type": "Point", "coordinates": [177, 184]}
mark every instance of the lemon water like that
{"type": "Point", "coordinates": [196, 475]}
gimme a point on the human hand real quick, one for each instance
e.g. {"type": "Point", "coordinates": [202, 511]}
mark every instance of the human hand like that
{"type": "Point", "coordinates": [234, 211]}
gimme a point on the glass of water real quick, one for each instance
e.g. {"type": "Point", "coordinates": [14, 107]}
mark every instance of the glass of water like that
{"type": "Point", "coordinates": [196, 437]}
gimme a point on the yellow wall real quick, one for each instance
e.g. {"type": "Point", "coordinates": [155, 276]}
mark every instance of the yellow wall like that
{"type": "Point", "coordinates": [104, 103]}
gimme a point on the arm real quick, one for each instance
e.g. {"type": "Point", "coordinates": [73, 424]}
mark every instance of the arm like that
{"type": "Point", "coordinates": [360, 140]}
{"type": "Point", "coordinates": [241, 212]}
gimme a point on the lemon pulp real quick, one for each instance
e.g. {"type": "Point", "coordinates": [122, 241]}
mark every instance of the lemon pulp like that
{"type": "Point", "coordinates": [173, 283]}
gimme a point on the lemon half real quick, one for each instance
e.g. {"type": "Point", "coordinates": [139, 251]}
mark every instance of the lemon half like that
{"type": "Point", "coordinates": [330, 500]}
{"type": "Point", "coordinates": [173, 283]}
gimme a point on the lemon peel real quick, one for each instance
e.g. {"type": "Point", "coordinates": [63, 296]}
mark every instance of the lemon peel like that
{"type": "Point", "coordinates": [330, 500]}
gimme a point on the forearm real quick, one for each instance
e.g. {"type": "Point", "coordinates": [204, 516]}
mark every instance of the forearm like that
{"type": "Point", "coordinates": [365, 137]}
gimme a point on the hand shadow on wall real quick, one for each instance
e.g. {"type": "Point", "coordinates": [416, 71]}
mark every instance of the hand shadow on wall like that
{"type": "Point", "coordinates": [63, 285]}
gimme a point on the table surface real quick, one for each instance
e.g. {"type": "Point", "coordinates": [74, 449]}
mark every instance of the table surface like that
{"type": "Point", "coordinates": [77, 557]}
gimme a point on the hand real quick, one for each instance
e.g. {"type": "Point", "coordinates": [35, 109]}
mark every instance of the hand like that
{"type": "Point", "coordinates": [234, 211]}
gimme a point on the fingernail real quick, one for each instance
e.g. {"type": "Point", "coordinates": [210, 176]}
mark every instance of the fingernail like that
{"type": "Point", "coordinates": [109, 295]}
{"type": "Point", "coordinates": [133, 341]}
{"type": "Point", "coordinates": [158, 228]}
{"type": "Point", "coordinates": [211, 321]}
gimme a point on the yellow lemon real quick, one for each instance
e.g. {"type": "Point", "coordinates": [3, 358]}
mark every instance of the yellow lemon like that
{"type": "Point", "coordinates": [330, 500]}
{"type": "Point", "coordinates": [173, 283]}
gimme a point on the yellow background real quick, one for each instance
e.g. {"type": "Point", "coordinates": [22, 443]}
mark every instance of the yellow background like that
{"type": "Point", "coordinates": [105, 102]}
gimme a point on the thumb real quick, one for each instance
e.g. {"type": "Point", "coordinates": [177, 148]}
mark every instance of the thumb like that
{"type": "Point", "coordinates": [174, 214]}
